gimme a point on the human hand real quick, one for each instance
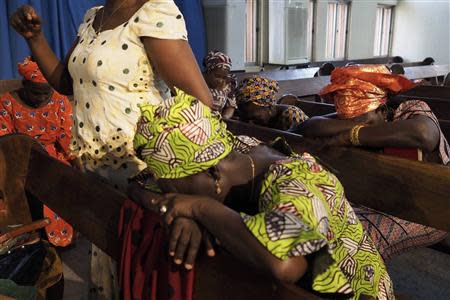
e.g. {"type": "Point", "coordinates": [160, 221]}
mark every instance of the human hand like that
{"type": "Point", "coordinates": [172, 205]}
{"type": "Point", "coordinates": [186, 237]}
{"type": "Point", "coordinates": [26, 22]}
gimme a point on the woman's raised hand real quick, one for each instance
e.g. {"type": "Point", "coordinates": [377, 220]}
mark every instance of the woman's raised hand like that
{"type": "Point", "coordinates": [26, 22]}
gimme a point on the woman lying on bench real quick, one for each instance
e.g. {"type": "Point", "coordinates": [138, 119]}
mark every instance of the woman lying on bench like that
{"type": "Point", "coordinates": [365, 117]}
{"type": "Point", "coordinates": [296, 223]}
{"type": "Point", "coordinates": [257, 101]}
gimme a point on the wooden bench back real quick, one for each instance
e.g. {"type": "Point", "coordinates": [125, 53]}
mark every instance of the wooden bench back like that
{"type": "Point", "coordinates": [10, 85]}
{"type": "Point", "coordinates": [413, 73]}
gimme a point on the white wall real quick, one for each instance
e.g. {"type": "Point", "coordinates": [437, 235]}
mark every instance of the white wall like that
{"type": "Point", "coordinates": [225, 28]}
{"type": "Point", "coordinates": [422, 29]}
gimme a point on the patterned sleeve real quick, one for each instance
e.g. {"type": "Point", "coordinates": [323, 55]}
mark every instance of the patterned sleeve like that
{"type": "Point", "coordinates": [6, 122]}
{"type": "Point", "coordinates": [231, 97]}
{"type": "Point", "coordinates": [294, 219]}
{"type": "Point", "coordinates": [88, 18]}
{"type": "Point", "coordinates": [160, 19]}
{"type": "Point", "coordinates": [292, 117]}
{"type": "Point", "coordinates": [411, 108]}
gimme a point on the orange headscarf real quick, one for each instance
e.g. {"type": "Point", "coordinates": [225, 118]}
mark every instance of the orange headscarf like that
{"type": "Point", "coordinates": [359, 89]}
{"type": "Point", "coordinates": [30, 71]}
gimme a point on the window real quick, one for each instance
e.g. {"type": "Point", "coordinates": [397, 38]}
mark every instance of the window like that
{"type": "Point", "coordinates": [311, 14]}
{"type": "Point", "coordinates": [336, 30]}
{"type": "Point", "coordinates": [383, 31]}
{"type": "Point", "coordinates": [251, 37]}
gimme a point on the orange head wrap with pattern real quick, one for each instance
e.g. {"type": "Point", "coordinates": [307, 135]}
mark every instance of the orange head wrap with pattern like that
{"type": "Point", "coordinates": [359, 89]}
{"type": "Point", "coordinates": [30, 71]}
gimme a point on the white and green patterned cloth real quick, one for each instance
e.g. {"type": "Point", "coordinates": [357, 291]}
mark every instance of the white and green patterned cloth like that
{"type": "Point", "coordinates": [303, 210]}
{"type": "Point", "coordinates": [302, 206]}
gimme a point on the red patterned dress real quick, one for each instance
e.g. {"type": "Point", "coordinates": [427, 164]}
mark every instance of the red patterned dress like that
{"type": "Point", "coordinates": [51, 126]}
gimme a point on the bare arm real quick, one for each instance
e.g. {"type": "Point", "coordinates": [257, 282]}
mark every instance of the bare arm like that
{"type": "Point", "coordinates": [228, 112]}
{"type": "Point", "coordinates": [175, 62]}
{"type": "Point", "coordinates": [28, 24]}
{"type": "Point", "coordinates": [228, 227]}
{"type": "Point", "coordinates": [322, 126]}
{"type": "Point", "coordinates": [418, 132]}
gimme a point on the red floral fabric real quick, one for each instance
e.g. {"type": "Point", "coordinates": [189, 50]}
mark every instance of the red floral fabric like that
{"type": "Point", "coordinates": [145, 269]}
{"type": "Point", "coordinates": [51, 126]}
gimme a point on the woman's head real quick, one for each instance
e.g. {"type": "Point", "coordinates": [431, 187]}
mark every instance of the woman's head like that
{"type": "Point", "coordinates": [183, 144]}
{"type": "Point", "coordinates": [36, 89]}
{"type": "Point", "coordinates": [218, 66]}
{"type": "Point", "coordinates": [258, 114]}
{"type": "Point", "coordinates": [257, 98]}
{"type": "Point", "coordinates": [360, 89]}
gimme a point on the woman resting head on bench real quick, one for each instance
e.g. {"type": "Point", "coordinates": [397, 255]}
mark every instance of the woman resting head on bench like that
{"type": "Point", "coordinates": [221, 83]}
{"type": "Point", "coordinates": [365, 115]}
{"type": "Point", "coordinates": [257, 100]}
{"type": "Point", "coordinates": [296, 222]}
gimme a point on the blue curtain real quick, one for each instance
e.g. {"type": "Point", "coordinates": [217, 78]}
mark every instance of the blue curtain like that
{"type": "Point", "coordinates": [61, 20]}
{"type": "Point", "coordinates": [193, 14]}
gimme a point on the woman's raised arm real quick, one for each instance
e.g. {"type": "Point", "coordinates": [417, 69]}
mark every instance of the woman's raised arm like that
{"type": "Point", "coordinates": [175, 63]}
{"type": "Point", "coordinates": [28, 24]}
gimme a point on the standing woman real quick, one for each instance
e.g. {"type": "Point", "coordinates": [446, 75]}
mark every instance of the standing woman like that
{"type": "Point", "coordinates": [127, 53]}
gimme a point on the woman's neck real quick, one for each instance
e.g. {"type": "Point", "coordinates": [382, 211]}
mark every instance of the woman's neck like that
{"type": "Point", "coordinates": [21, 97]}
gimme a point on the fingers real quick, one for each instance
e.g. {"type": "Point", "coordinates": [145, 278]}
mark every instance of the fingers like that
{"type": "Point", "coordinates": [17, 24]}
{"type": "Point", "coordinates": [27, 12]}
{"type": "Point", "coordinates": [207, 241]}
{"type": "Point", "coordinates": [26, 21]}
{"type": "Point", "coordinates": [194, 246]}
{"type": "Point", "coordinates": [182, 245]}
{"type": "Point", "coordinates": [184, 242]}
{"type": "Point", "coordinates": [175, 234]}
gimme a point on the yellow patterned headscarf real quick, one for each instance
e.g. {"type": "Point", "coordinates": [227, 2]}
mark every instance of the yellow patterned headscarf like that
{"type": "Point", "coordinates": [181, 137]}
{"type": "Point", "coordinates": [258, 90]}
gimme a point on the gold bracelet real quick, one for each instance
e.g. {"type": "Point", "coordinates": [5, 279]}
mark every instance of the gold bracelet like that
{"type": "Point", "coordinates": [354, 135]}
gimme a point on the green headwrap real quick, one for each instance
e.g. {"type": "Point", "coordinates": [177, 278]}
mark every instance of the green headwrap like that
{"type": "Point", "coordinates": [180, 137]}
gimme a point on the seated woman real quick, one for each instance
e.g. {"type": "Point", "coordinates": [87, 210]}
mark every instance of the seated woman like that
{"type": "Point", "coordinates": [38, 111]}
{"type": "Point", "coordinates": [257, 101]}
{"type": "Point", "coordinates": [365, 116]}
{"type": "Point", "coordinates": [221, 83]}
{"type": "Point", "coordinates": [296, 223]}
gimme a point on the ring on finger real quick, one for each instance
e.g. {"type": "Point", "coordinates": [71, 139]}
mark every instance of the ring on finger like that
{"type": "Point", "coordinates": [163, 209]}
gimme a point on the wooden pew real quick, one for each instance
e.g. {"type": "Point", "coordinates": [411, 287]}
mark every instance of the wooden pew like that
{"type": "Point", "coordinates": [424, 72]}
{"type": "Point", "coordinates": [413, 73]}
{"type": "Point", "coordinates": [281, 75]}
{"type": "Point", "coordinates": [389, 184]}
{"type": "Point", "coordinates": [93, 207]}
{"type": "Point", "coordinates": [9, 85]}
{"type": "Point", "coordinates": [319, 109]}
{"type": "Point", "coordinates": [412, 190]}
{"type": "Point", "coordinates": [342, 63]}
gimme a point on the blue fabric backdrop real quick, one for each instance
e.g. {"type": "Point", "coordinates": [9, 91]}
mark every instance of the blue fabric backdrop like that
{"type": "Point", "coordinates": [61, 20]}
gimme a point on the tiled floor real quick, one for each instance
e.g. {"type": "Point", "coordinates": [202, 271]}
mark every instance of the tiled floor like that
{"type": "Point", "coordinates": [76, 270]}
{"type": "Point", "coordinates": [422, 274]}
